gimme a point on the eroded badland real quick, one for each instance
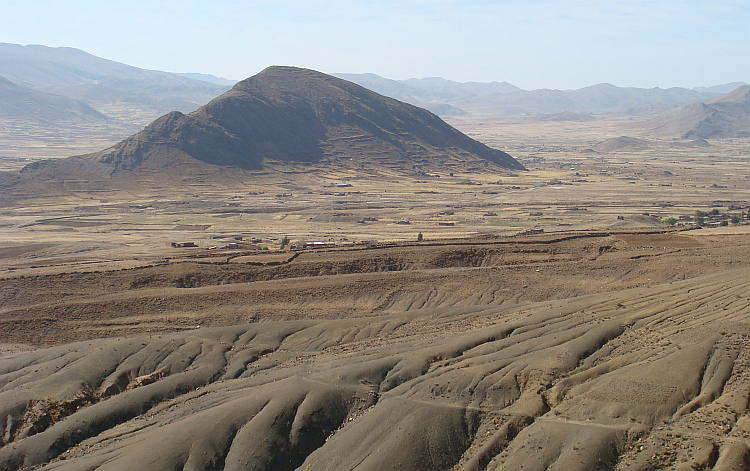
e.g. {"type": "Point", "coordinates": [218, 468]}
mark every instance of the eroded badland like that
{"type": "Point", "coordinates": [545, 319]}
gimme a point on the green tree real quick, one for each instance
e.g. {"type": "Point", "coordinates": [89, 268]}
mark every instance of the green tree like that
{"type": "Point", "coordinates": [735, 220]}
{"type": "Point", "coordinates": [700, 214]}
{"type": "Point", "coordinates": [699, 220]}
{"type": "Point", "coordinates": [670, 221]}
{"type": "Point", "coordinates": [284, 242]}
{"type": "Point", "coordinates": [724, 223]}
{"type": "Point", "coordinates": [714, 212]}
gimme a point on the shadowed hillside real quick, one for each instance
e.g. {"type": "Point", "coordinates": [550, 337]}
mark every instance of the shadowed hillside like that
{"type": "Point", "coordinates": [297, 115]}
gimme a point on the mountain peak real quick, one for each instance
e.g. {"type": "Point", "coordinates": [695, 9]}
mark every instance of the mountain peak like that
{"type": "Point", "coordinates": [288, 115]}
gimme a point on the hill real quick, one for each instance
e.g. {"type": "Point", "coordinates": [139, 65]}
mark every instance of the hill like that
{"type": "Point", "coordinates": [727, 116]}
{"type": "Point", "coordinates": [19, 103]}
{"type": "Point", "coordinates": [286, 116]}
{"type": "Point", "coordinates": [297, 115]}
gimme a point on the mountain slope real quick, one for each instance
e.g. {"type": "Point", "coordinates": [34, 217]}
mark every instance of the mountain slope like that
{"type": "Point", "coordinates": [34, 107]}
{"type": "Point", "coordinates": [727, 116]}
{"type": "Point", "coordinates": [52, 69]}
{"type": "Point", "coordinates": [721, 89]}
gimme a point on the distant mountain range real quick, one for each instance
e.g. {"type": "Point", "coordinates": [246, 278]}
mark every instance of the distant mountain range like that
{"type": "Point", "coordinates": [448, 98]}
{"type": "Point", "coordinates": [119, 91]}
{"type": "Point", "coordinates": [210, 79]}
{"type": "Point", "coordinates": [435, 94]}
{"type": "Point", "coordinates": [100, 83]}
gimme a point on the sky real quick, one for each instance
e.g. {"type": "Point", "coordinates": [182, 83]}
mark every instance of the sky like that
{"type": "Point", "coordinates": [559, 44]}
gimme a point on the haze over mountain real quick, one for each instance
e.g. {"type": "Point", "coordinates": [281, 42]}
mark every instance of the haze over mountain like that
{"type": "Point", "coordinates": [727, 116]}
{"type": "Point", "coordinates": [724, 88]}
{"type": "Point", "coordinates": [210, 78]}
{"type": "Point", "coordinates": [147, 94]}
{"type": "Point", "coordinates": [287, 116]}
{"type": "Point", "coordinates": [432, 93]}
{"type": "Point", "coordinates": [72, 72]}
{"type": "Point", "coordinates": [501, 98]}
{"type": "Point", "coordinates": [37, 108]}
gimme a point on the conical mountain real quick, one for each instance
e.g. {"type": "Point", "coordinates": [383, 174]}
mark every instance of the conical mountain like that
{"type": "Point", "coordinates": [291, 115]}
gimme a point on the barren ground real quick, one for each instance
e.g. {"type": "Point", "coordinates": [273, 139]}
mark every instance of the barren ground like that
{"type": "Point", "coordinates": [609, 341]}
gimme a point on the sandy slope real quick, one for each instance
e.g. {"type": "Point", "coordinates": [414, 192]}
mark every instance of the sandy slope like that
{"type": "Point", "coordinates": [646, 378]}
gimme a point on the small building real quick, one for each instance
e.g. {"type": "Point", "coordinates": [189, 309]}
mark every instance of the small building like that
{"type": "Point", "coordinates": [317, 244]}
{"type": "Point", "coordinates": [184, 244]}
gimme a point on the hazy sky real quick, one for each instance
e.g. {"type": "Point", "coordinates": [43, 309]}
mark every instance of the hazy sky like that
{"type": "Point", "coordinates": [530, 43]}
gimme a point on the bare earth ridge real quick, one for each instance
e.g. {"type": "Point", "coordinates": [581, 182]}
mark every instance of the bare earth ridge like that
{"type": "Point", "coordinates": [649, 377]}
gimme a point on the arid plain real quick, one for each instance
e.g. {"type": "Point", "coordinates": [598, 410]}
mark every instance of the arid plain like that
{"type": "Point", "coordinates": [545, 319]}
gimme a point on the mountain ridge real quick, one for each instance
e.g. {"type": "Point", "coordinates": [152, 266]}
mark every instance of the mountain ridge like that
{"type": "Point", "coordinates": [501, 98]}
